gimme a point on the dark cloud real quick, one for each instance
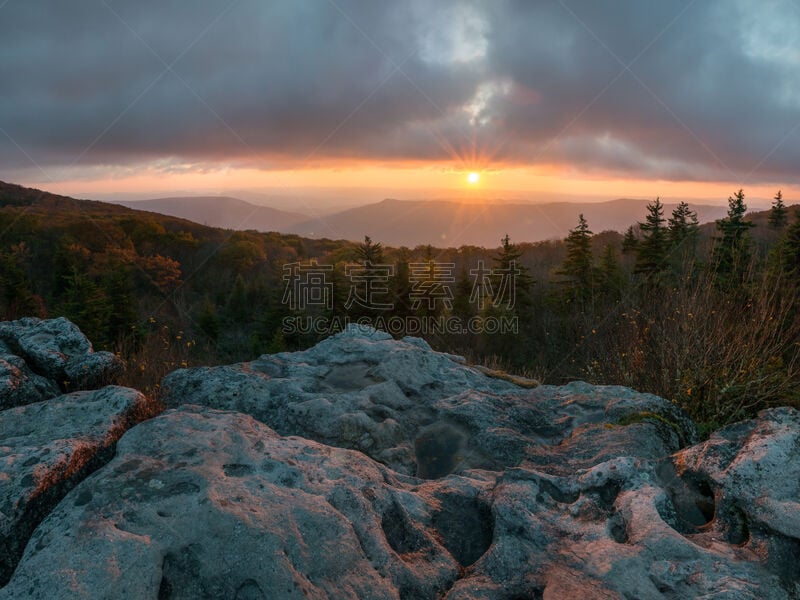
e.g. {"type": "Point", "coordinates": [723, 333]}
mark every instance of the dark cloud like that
{"type": "Point", "coordinates": [679, 90]}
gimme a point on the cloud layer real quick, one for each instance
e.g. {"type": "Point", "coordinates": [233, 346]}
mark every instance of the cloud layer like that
{"type": "Point", "coordinates": [675, 90]}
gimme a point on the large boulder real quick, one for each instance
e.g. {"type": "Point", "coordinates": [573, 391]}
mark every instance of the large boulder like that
{"type": "Point", "coordinates": [427, 413]}
{"type": "Point", "coordinates": [57, 350]}
{"type": "Point", "coordinates": [48, 447]}
{"type": "Point", "coordinates": [205, 504]}
{"type": "Point", "coordinates": [466, 486]}
{"type": "Point", "coordinates": [200, 503]}
{"type": "Point", "coordinates": [19, 385]}
{"type": "Point", "coordinates": [742, 487]}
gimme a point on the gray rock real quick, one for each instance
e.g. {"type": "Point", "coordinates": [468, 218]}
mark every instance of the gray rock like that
{"type": "Point", "coordinates": [46, 448]}
{"type": "Point", "coordinates": [206, 504]}
{"type": "Point", "coordinates": [742, 487]}
{"type": "Point", "coordinates": [19, 385]}
{"type": "Point", "coordinates": [427, 413]}
{"type": "Point", "coordinates": [93, 370]}
{"type": "Point", "coordinates": [552, 492]}
{"type": "Point", "coordinates": [601, 533]}
{"type": "Point", "coordinates": [57, 350]}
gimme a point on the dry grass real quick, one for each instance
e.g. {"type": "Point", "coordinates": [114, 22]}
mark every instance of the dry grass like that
{"type": "Point", "coordinates": [517, 380]}
{"type": "Point", "coordinates": [151, 357]}
{"type": "Point", "coordinates": [721, 357]}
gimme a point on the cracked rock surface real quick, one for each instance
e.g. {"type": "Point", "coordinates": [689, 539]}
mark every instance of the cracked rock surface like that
{"type": "Point", "coordinates": [368, 467]}
{"type": "Point", "coordinates": [40, 358]}
{"type": "Point", "coordinates": [427, 413]}
{"type": "Point", "coordinates": [46, 448]}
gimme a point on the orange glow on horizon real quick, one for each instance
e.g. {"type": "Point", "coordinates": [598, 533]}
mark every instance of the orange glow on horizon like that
{"type": "Point", "coordinates": [406, 180]}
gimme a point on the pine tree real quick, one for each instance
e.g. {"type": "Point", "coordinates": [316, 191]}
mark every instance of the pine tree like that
{"type": "Point", "coordinates": [508, 262]}
{"type": "Point", "coordinates": [732, 250]}
{"type": "Point", "coordinates": [375, 273]}
{"type": "Point", "coordinates": [370, 252]}
{"type": "Point", "coordinates": [790, 253]}
{"type": "Point", "coordinates": [401, 284]}
{"type": "Point", "coordinates": [87, 305]}
{"type": "Point", "coordinates": [651, 253]}
{"type": "Point", "coordinates": [611, 275]}
{"type": "Point", "coordinates": [683, 227]}
{"type": "Point", "coordinates": [630, 241]}
{"type": "Point", "coordinates": [578, 265]}
{"type": "Point", "coordinates": [683, 233]}
{"type": "Point", "coordinates": [118, 287]}
{"type": "Point", "coordinates": [778, 214]}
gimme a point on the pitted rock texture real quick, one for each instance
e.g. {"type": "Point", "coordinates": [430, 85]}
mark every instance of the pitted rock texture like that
{"type": "Point", "coordinates": [427, 413]}
{"type": "Point", "coordinates": [46, 448]}
{"type": "Point", "coordinates": [55, 349]}
{"type": "Point", "coordinates": [200, 503]}
{"type": "Point", "coordinates": [749, 477]}
{"type": "Point", "coordinates": [372, 468]}
{"type": "Point", "coordinates": [205, 504]}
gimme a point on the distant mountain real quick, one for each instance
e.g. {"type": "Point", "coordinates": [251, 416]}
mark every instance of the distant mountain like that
{"type": "Point", "coordinates": [220, 211]}
{"type": "Point", "coordinates": [448, 223]}
{"type": "Point", "coordinates": [412, 223]}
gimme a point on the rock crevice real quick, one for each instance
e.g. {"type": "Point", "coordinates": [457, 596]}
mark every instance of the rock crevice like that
{"type": "Point", "coordinates": [367, 467]}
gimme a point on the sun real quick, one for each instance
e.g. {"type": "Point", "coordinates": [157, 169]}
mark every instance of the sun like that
{"type": "Point", "coordinates": [473, 178]}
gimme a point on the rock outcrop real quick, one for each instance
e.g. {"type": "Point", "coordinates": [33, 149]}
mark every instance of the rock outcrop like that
{"type": "Point", "coordinates": [19, 385]}
{"type": "Point", "coordinates": [50, 441]}
{"type": "Point", "coordinates": [367, 467]}
{"type": "Point", "coordinates": [426, 413]}
{"type": "Point", "coordinates": [46, 448]}
{"type": "Point", "coordinates": [53, 350]}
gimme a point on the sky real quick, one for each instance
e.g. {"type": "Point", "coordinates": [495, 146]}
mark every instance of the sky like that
{"type": "Point", "coordinates": [621, 98]}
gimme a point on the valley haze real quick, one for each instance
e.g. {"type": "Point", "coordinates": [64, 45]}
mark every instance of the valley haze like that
{"type": "Point", "coordinates": [440, 223]}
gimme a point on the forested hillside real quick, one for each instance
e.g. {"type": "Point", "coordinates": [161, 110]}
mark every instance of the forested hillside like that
{"type": "Point", "coordinates": [705, 316]}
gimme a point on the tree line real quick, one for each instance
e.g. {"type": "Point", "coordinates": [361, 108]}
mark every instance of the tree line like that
{"type": "Point", "coordinates": [708, 319]}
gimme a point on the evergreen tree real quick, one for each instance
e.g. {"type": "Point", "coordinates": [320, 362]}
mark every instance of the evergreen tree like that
{"type": "Point", "coordinates": [370, 252]}
{"type": "Point", "coordinates": [683, 227]}
{"type": "Point", "coordinates": [401, 284]}
{"type": "Point", "coordinates": [731, 252]}
{"type": "Point", "coordinates": [683, 233]}
{"type": "Point", "coordinates": [611, 275]}
{"type": "Point", "coordinates": [630, 241]}
{"type": "Point", "coordinates": [86, 305]}
{"type": "Point", "coordinates": [790, 254]}
{"type": "Point", "coordinates": [651, 253]}
{"type": "Point", "coordinates": [118, 287]}
{"type": "Point", "coordinates": [363, 298]}
{"type": "Point", "coordinates": [578, 265]}
{"type": "Point", "coordinates": [518, 279]}
{"type": "Point", "coordinates": [778, 214]}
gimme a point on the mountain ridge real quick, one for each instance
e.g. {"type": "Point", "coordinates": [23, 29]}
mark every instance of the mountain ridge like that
{"type": "Point", "coordinates": [392, 221]}
{"type": "Point", "coordinates": [226, 212]}
{"type": "Point", "coordinates": [443, 222]}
